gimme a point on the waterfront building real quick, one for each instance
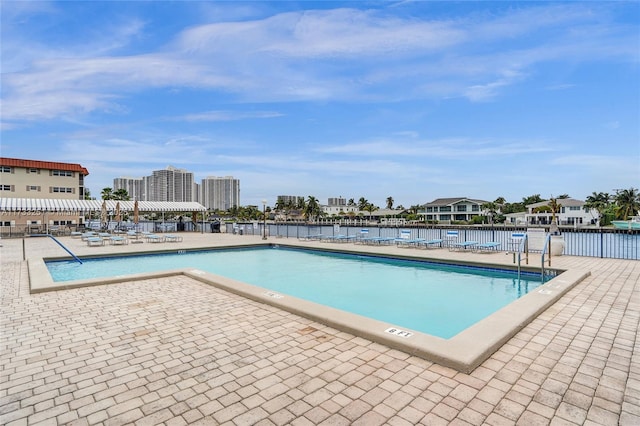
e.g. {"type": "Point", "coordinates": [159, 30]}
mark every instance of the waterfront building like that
{"type": "Point", "coordinates": [21, 178]}
{"type": "Point", "coordinates": [170, 184]}
{"type": "Point", "coordinates": [133, 186]}
{"type": "Point", "coordinates": [572, 212]}
{"type": "Point", "coordinates": [452, 209]}
{"type": "Point", "coordinates": [220, 193]}
{"type": "Point", "coordinates": [290, 200]}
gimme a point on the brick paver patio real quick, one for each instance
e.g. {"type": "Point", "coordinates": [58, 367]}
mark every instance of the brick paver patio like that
{"type": "Point", "coordinates": [175, 351]}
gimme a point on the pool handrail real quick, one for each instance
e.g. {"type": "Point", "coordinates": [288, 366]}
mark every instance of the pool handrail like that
{"type": "Point", "coordinates": [546, 248]}
{"type": "Point", "coordinates": [59, 243]}
{"type": "Point", "coordinates": [523, 247]}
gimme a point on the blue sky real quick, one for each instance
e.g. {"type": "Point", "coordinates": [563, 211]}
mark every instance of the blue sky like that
{"type": "Point", "coordinates": [413, 100]}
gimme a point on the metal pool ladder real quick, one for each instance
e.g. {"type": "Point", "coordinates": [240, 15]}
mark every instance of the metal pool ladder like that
{"type": "Point", "coordinates": [546, 250]}
{"type": "Point", "coordinates": [523, 247]}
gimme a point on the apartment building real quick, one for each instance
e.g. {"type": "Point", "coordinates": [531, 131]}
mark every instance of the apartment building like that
{"type": "Point", "coordinates": [220, 193]}
{"type": "Point", "coordinates": [170, 184]}
{"type": "Point", "coordinates": [21, 178]}
{"type": "Point", "coordinates": [133, 186]}
{"type": "Point", "coordinates": [452, 209]}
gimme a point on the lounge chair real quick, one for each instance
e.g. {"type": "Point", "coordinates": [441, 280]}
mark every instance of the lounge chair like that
{"type": "Point", "coordinates": [315, 237]}
{"type": "Point", "coordinates": [464, 245]}
{"type": "Point", "coordinates": [363, 237]}
{"type": "Point", "coordinates": [405, 239]}
{"type": "Point", "coordinates": [89, 234]}
{"type": "Point", "coordinates": [134, 237]}
{"type": "Point", "coordinates": [118, 241]}
{"type": "Point", "coordinates": [339, 238]}
{"type": "Point", "coordinates": [515, 240]}
{"type": "Point", "coordinates": [153, 238]}
{"type": "Point", "coordinates": [94, 241]}
{"type": "Point", "coordinates": [451, 237]}
{"type": "Point", "coordinates": [380, 240]}
{"type": "Point", "coordinates": [490, 246]}
{"type": "Point", "coordinates": [433, 242]}
{"type": "Point", "coordinates": [172, 238]}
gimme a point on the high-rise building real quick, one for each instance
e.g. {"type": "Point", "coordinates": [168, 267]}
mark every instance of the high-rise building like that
{"type": "Point", "coordinates": [133, 186]}
{"type": "Point", "coordinates": [335, 202]}
{"type": "Point", "coordinates": [170, 184]}
{"type": "Point", "coordinates": [290, 200]}
{"type": "Point", "coordinates": [220, 193]}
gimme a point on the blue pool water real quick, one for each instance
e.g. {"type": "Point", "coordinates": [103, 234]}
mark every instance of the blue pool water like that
{"type": "Point", "coordinates": [436, 299]}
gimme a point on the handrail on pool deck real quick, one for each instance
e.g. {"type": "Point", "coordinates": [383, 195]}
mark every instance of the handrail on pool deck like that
{"type": "Point", "coordinates": [545, 248]}
{"type": "Point", "coordinates": [58, 242]}
{"type": "Point", "coordinates": [524, 244]}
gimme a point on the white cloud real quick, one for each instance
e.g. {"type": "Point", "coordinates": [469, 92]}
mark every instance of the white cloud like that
{"type": "Point", "coordinates": [453, 148]}
{"type": "Point", "coordinates": [228, 115]}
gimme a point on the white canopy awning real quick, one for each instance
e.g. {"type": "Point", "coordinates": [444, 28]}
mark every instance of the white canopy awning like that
{"type": "Point", "coordinates": [61, 205]}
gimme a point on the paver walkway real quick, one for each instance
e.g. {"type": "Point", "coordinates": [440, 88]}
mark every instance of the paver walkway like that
{"type": "Point", "coordinates": [175, 351]}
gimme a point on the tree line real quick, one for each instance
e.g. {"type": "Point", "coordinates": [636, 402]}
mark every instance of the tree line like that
{"type": "Point", "coordinates": [623, 204]}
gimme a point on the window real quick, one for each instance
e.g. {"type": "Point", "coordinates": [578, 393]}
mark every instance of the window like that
{"type": "Point", "coordinates": [6, 223]}
{"type": "Point", "coordinates": [461, 208]}
{"type": "Point", "coordinates": [62, 189]}
{"type": "Point", "coordinates": [574, 208]}
{"type": "Point", "coordinates": [5, 169]}
{"type": "Point", "coordinates": [475, 208]}
{"type": "Point", "coordinates": [429, 209]}
{"type": "Point", "coordinates": [5, 187]}
{"type": "Point", "coordinates": [33, 188]}
{"type": "Point", "coordinates": [445, 208]}
{"type": "Point", "coordinates": [62, 173]}
{"type": "Point", "coordinates": [33, 171]}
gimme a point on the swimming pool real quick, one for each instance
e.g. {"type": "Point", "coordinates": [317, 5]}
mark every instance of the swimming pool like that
{"type": "Point", "coordinates": [463, 352]}
{"type": "Point", "coordinates": [437, 299]}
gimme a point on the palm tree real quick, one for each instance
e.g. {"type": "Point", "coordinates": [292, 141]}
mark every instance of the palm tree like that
{"type": "Point", "coordinates": [311, 209]}
{"type": "Point", "coordinates": [370, 208]}
{"type": "Point", "coordinates": [121, 194]}
{"type": "Point", "coordinates": [490, 208]}
{"type": "Point", "coordinates": [389, 203]}
{"type": "Point", "coordinates": [362, 203]}
{"type": "Point", "coordinates": [598, 201]}
{"type": "Point", "coordinates": [627, 203]}
{"type": "Point", "coordinates": [555, 207]}
{"type": "Point", "coordinates": [107, 193]}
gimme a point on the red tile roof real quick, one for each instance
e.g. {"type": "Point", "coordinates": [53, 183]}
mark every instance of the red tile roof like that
{"type": "Point", "coordinates": [48, 165]}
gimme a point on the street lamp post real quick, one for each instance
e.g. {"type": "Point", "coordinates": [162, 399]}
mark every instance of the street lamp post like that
{"type": "Point", "coordinates": [264, 219]}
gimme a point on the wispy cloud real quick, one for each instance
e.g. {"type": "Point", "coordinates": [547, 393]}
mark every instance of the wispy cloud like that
{"type": "Point", "coordinates": [443, 148]}
{"type": "Point", "coordinates": [311, 55]}
{"type": "Point", "coordinates": [228, 115]}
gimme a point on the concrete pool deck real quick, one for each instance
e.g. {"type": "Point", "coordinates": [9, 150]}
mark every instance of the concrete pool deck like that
{"type": "Point", "coordinates": [151, 351]}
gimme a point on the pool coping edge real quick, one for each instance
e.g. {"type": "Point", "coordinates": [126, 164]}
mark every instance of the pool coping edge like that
{"type": "Point", "coordinates": [463, 352]}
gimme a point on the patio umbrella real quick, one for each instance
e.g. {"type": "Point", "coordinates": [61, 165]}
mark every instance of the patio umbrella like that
{"type": "Point", "coordinates": [104, 220]}
{"type": "Point", "coordinates": [118, 217]}
{"type": "Point", "coordinates": [136, 213]}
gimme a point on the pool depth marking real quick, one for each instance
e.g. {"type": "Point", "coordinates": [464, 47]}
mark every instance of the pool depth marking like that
{"type": "Point", "coordinates": [398, 332]}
